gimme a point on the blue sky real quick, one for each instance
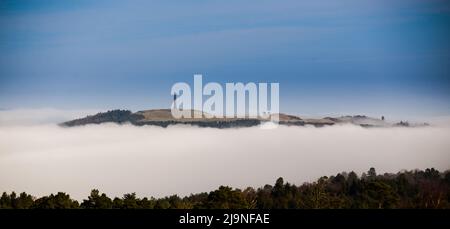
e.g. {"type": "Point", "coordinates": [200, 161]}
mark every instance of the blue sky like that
{"type": "Point", "coordinates": [375, 57]}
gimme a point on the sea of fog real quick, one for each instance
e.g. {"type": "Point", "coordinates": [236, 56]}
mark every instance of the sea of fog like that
{"type": "Point", "coordinates": [44, 158]}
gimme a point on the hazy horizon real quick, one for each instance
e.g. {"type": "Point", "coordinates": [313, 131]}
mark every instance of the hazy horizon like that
{"type": "Point", "coordinates": [50, 115]}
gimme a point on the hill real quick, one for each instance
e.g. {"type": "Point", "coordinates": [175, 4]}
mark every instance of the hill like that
{"type": "Point", "coordinates": [163, 118]}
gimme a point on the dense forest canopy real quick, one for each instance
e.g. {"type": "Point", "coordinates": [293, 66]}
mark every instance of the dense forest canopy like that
{"type": "Point", "coordinates": [406, 189]}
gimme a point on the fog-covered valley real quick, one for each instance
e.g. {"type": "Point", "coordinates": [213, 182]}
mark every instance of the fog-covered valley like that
{"type": "Point", "coordinates": [154, 161]}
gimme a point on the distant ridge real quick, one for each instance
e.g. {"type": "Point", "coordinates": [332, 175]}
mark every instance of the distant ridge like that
{"type": "Point", "coordinates": [163, 118]}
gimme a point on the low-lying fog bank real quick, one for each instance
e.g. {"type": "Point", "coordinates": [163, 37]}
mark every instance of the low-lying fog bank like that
{"type": "Point", "coordinates": [153, 161]}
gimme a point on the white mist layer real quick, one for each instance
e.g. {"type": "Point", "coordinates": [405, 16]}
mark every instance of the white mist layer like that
{"type": "Point", "coordinates": [26, 117]}
{"type": "Point", "coordinates": [154, 161]}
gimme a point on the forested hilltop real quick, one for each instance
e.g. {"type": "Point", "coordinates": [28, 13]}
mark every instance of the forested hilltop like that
{"type": "Point", "coordinates": [406, 189]}
{"type": "Point", "coordinates": [163, 118]}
